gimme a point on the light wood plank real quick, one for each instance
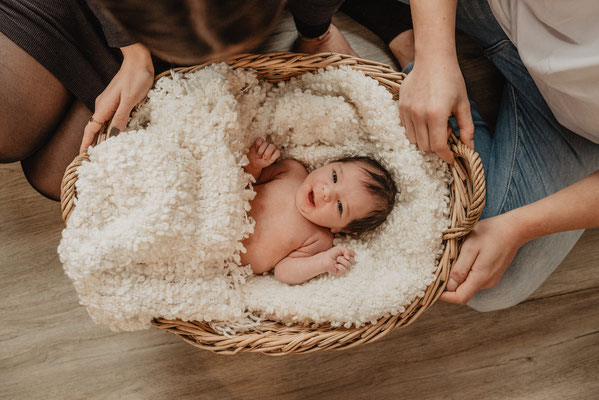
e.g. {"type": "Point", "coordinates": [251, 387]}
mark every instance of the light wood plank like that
{"type": "Point", "coordinates": [579, 271]}
{"type": "Point", "coordinates": [541, 349]}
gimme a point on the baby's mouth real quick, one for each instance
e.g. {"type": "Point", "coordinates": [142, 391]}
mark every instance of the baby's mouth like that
{"type": "Point", "coordinates": [311, 198]}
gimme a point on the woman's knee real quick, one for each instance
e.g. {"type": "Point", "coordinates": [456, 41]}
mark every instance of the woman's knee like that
{"type": "Point", "coordinates": [493, 300]}
{"type": "Point", "coordinates": [32, 104]}
{"type": "Point", "coordinates": [45, 168]}
{"type": "Point", "coordinates": [46, 184]}
{"type": "Point", "coordinates": [9, 153]}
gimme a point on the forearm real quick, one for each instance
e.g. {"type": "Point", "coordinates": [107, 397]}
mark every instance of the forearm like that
{"type": "Point", "coordinates": [434, 31]}
{"type": "Point", "coordinates": [575, 207]}
{"type": "Point", "coordinates": [294, 270]}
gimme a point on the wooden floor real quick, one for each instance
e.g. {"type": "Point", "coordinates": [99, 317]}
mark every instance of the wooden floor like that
{"type": "Point", "coordinates": [544, 348]}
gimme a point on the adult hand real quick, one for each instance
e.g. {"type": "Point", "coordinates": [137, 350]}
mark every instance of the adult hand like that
{"type": "Point", "coordinates": [429, 95]}
{"type": "Point", "coordinates": [129, 86]}
{"type": "Point", "coordinates": [485, 256]}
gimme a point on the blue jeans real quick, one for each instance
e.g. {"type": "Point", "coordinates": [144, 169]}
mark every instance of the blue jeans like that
{"type": "Point", "coordinates": [528, 157]}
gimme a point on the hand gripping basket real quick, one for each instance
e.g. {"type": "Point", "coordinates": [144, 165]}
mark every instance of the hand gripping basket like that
{"type": "Point", "coordinates": [467, 198]}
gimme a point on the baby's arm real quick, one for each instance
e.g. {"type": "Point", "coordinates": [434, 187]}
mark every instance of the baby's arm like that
{"type": "Point", "coordinates": [261, 155]}
{"type": "Point", "coordinates": [302, 265]}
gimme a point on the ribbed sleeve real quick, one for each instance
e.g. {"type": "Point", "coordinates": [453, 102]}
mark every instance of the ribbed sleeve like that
{"type": "Point", "coordinates": [116, 35]}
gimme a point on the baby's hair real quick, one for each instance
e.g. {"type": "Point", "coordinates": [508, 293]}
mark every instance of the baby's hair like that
{"type": "Point", "coordinates": [382, 186]}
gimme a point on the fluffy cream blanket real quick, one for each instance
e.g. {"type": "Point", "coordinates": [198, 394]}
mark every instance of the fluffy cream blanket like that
{"type": "Point", "coordinates": [162, 208]}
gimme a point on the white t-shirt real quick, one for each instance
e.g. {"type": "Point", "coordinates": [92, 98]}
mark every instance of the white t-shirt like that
{"type": "Point", "coordinates": [558, 42]}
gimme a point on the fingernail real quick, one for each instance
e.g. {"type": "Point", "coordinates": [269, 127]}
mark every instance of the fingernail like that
{"type": "Point", "coordinates": [114, 132]}
{"type": "Point", "coordinates": [452, 285]}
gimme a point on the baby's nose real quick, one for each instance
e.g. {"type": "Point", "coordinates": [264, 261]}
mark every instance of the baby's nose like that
{"type": "Point", "coordinates": [327, 193]}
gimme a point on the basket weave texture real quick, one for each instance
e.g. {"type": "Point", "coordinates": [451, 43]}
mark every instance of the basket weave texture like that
{"type": "Point", "coordinates": [467, 199]}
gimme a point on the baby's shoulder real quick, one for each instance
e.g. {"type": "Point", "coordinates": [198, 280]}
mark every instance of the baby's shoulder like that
{"type": "Point", "coordinates": [285, 171]}
{"type": "Point", "coordinates": [293, 167]}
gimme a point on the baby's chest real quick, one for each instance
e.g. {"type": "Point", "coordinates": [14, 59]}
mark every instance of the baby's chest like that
{"type": "Point", "coordinates": [277, 221]}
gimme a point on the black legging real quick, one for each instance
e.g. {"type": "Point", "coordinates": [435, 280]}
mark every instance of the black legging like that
{"type": "Point", "coordinates": [386, 18]}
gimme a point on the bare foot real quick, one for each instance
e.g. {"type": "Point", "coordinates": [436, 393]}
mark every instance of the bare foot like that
{"type": "Point", "coordinates": [402, 47]}
{"type": "Point", "coordinates": [332, 41]}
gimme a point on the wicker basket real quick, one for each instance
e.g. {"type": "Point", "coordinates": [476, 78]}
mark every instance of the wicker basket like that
{"type": "Point", "coordinates": [467, 198]}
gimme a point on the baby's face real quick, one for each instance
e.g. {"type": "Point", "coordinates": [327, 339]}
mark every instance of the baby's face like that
{"type": "Point", "coordinates": [334, 195]}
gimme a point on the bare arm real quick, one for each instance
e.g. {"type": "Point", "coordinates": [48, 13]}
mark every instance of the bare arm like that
{"type": "Point", "coordinates": [297, 269]}
{"type": "Point", "coordinates": [434, 24]}
{"type": "Point", "coordinates": [575, 207]}
{"type": "Point", "coordinates": [494, 242]}
{"type": "Point", "coordinates": [302, 265]}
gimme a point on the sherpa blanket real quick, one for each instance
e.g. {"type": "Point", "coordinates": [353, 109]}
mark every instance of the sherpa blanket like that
{"type": "Point", "coordinates": [162, 208]}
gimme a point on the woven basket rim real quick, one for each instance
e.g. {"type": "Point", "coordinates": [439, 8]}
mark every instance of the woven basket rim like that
{"type": "Point", "coordinates": [467, 198]}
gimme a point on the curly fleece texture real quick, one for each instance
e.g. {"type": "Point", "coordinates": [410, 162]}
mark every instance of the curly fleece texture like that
{"type": "Point", "coordinates": [162, 208]}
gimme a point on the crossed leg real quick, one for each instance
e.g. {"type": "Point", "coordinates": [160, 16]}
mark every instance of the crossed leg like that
{"type": "Point", "coordinates": [41, 123]}
{"type": "Point", "coordinates": [45, 168]}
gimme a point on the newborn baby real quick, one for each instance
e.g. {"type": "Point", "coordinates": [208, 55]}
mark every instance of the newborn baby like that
{"type": "Point", "coordinates": [297, 214]}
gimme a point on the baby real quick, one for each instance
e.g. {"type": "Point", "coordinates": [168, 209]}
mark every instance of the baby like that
{"type": "Point", "coordinates": [297, 214]}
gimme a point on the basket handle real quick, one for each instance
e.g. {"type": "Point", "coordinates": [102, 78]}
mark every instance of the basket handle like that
{"type": "Point", "coordinates": [469, 189]}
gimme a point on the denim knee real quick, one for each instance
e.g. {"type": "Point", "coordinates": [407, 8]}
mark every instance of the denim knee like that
{"type": "Point", "coordinates": [493, 300]}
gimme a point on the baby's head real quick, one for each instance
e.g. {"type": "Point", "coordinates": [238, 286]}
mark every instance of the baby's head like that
{"type": "Point", "coordinates": [350, 195]}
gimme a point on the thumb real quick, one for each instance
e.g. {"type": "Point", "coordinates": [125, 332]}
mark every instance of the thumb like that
{"type": "Point", "coordinates": [464, 119]}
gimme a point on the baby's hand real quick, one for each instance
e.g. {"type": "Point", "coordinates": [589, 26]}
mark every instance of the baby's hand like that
{"type": "Point", "coordinates": [262, 153]}
{"type": "Point", "coordinates": [338, 260]}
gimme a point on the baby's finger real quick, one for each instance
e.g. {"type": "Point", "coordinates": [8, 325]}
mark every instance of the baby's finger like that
{"type": "Point", "coordinates": [341, 270]}
{"type": "Point", "coordinates": [352, 259]}
{"type": "Point", "coordinates": [262, 149]}
{"type": "Point", "coordinates": [348, 253]}
{"type": "Point", "coordinates": [258, 143]}
{"type": "Point", "coordinates": [276, 155]}
{"type": "Point", "coordinates": [341, 248]}
{"type": "Point", "coordinates": [270, 149]}
{"type": "Point", "coordinates": [343, 261]}
{"type": "Point", "coordinates": [331, 269]}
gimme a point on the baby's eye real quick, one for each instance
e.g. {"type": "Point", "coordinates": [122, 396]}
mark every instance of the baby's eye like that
{"type": "Point", "coordinates": [334, 177]}
{"type": "Point", "coordinates": [340, 207]}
